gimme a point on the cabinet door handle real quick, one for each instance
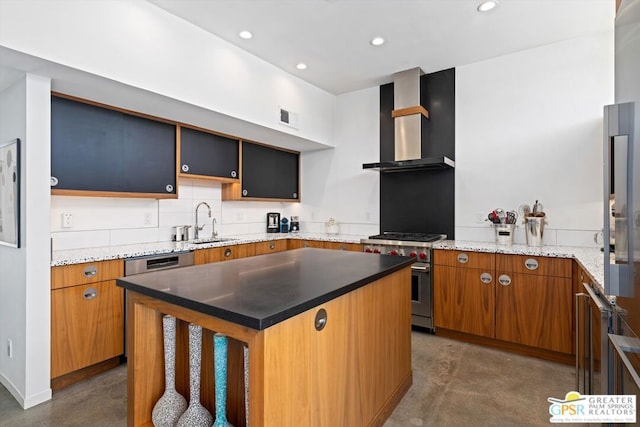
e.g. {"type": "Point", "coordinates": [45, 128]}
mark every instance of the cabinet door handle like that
{"type": "Point", "coordinates": [306, 245]}
{"type": "Point", "coordinates": [531, 264]}
{"type": "Point", "coordinates": [227, 253]}
{"type": "Point", "coordinates": [272, 245]}
{"type": "Point", "coordinates": [463, 258]}
{"type": "Point", "coordinates": [90, 293]}
{"type": "Point", "coordinates": [321, 319]}
{"type": "Point", "coordinates": [504, 280]}
{"type": "Point", "coordinates": [90, 271]}
{"type": "Point", "coordinates": [486, 278]}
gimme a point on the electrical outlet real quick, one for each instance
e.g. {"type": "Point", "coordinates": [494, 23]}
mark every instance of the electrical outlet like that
{"type": "Point", "coordinates": [147, 218]}
{"type": "Point", "coordinates": [10, 349]}
{"type": "Point", "coordinates": [67, 220]}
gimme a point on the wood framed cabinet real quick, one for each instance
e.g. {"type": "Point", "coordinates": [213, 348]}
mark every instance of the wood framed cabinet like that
{"type": "Point", "coordinates": [87, 320]}
{"type": "Point", "coordinates": [342, 246]}
{"type": "Point", "coordinates": [208, 155]}
{"type": "Point", "coordinates": [463, 292]}
{"type": "Point", "coordinates": [534, 301]}
{"type": "Point", "coordinates": [268, 173]}
{"type": "Point", "coordinates": [97, 150]}
{"type": "Point", "coordinates": [271, 246]}
{"type": "Point", "coordinates": [224, 253]}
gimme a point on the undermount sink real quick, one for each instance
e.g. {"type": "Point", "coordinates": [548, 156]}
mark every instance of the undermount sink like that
{"type": "Point", "coordinates": [210, 240]}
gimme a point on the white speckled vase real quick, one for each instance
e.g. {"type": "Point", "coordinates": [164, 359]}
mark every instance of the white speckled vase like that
{"type": "Point", "coordinates": [172, 404]}
{"type": "Point", "coordinates": [196, 415]}
{"type": "Point", "coordinates": [220, 365]}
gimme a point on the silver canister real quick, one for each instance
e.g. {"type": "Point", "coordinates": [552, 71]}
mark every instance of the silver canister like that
{"type": "Point", "coordinates": [504, 233]}
{"type": "Point", "coordinates": [534, 230]}
{"type": "Point", "coordinates": [177, 233]}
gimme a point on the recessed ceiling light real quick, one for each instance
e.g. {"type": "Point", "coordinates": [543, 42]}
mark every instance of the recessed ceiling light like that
{"type": "Point", "coordinates": [487, 6]}
{"type": "Point", "coordinates": [301, 66]}
{"type": "Point", "coordinates": [245, 34]}
{"type": "Point", "coordinates": [377, 41]}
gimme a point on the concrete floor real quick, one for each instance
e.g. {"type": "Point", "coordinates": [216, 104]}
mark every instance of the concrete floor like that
{"type": "Point", "coordinates": [454, 384]}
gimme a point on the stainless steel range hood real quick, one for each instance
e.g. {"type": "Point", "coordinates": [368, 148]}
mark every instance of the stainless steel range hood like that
{"type": "Point", "coordinates": [408, 114]}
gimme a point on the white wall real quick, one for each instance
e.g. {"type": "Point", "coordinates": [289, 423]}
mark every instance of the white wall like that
{"type": "Point", "coordinates": [25, 286]}
{"type": "Point", "coordinates": [141, 45]}
{"type": "Point", "coordinates": [529, 126]}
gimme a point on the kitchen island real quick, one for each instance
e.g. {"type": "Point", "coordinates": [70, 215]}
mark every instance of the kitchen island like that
{"type": "Point", "coordinates": [352, 369]}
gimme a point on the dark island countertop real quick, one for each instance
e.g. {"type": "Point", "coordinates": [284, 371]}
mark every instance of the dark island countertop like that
{"type": "Point", "coordinates": [261, 291]}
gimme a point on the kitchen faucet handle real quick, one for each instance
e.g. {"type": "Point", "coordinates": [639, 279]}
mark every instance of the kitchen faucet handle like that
{"type": "Point", "coordinates": [214, 233]}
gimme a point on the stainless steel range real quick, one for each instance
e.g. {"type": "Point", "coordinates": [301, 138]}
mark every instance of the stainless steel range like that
{"type": "Point", "coordinates": [418, 246]}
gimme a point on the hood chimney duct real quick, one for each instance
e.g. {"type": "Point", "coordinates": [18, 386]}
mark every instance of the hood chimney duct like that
{"type": "Point", "coordinates": [407, 114]}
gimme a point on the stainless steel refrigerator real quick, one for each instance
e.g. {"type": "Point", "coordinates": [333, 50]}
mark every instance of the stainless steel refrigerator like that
{"type": "Point", "coordinates": [622, 188]}
{"type": "Point", "coordinates": [608, 321]}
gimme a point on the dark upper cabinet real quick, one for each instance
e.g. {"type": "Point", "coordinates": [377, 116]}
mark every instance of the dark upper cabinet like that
{"type": "Point", "coordinates": [101, 150]}
{"type": "Point", "coordinates": [269, 173]}
{"type": "Point", "coordinates": [204, 154]}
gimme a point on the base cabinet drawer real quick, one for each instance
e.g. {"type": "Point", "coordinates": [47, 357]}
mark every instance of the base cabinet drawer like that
{"type": "Point", "coordinates": [87, 326]}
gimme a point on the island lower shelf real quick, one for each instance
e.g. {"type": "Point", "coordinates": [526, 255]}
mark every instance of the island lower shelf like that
{"type": "Point", "coordinates": [353, 372]}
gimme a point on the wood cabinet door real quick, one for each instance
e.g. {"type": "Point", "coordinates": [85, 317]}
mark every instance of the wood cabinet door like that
{"type": "Point", "coordinates": [87, 326]}
{"type": "Point", "coordinates": [340, 246]}
{"type": "Point", "coordinates": [224, 253]}
{"type": "Point", "coordinates": [534, 310]}
{"type": "Point", "coordinates": [463, 300]}
{"type": "Point", "coordinates": [271, 247]}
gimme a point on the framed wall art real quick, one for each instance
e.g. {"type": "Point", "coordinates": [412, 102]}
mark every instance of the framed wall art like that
{"type": "Point", "coordinates": [10, 193]}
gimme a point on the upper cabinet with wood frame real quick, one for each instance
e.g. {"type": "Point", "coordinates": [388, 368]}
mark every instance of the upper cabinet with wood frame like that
{"type": "Point", "coordinates": [97, 150]}
{"type": "Point", "coordinates": [268, 173]}
{"type": "Point", "coordinates": [208, 155]}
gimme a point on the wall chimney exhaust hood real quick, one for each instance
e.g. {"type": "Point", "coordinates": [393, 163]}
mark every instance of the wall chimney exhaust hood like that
{"type": "Point", "coordinates": [407, 115]}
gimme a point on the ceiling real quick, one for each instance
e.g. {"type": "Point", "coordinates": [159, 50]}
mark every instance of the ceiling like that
{"type": "Point", "coordinates": [332, 36]}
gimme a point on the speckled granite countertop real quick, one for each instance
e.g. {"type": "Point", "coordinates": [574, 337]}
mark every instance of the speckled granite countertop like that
{"type": "Point", "coordinates": [591, 259]}
{"type": "Point", "coordinates": [77, 256]}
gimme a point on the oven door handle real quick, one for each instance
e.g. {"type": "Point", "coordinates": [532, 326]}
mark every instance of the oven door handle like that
{"type": "Point", "coordinates": [422, 268]}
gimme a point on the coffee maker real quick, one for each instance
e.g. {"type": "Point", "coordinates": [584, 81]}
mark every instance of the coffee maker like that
{"type": "Point", "coordinates": [294, 224]}
{"type": "Point", "coordinates": [273, 222]}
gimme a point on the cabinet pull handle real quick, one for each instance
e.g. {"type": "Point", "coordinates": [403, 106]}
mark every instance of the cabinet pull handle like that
{"type": "Point", "coordinates": [90, 293]}
{"type": "Point", "coordinates": [321, 319]}
{"type": "Point", "coordinates": [531, 264]}
{"type": "Point", "coordinates": [486, 278]}
{"type": "Point", "coordinates": [504, 280]}
{"type": "Point", "coordinates": [185, 168]}
{"type": "Point", "coordinates": [306, 245]}
{"type": "Point", "coordinates": [227, 253]}
{"type": "Point", "coordinates": [234, 174]}
{"type": "Point", "coordinates": [245, 192]}
{"type": "Point", "coordinates": [272, 245]}
{"type": "Point", "coordinates": [463, 258]}
{"type": "Point", "coordinates": [90, 271]}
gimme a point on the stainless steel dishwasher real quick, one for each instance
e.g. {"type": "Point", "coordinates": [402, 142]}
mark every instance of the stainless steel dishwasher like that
{"type": "Point", "coordinates": [149, 263]}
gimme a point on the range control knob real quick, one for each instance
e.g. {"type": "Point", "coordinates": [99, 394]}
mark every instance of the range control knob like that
{"type": "Point", "coordinates": [393, 252]}
{"type": "Point", "coordinates": [422, 256]}
{"type": "Point", "coordinates": [368, 250]}
{"type": "Point", "coordinates": [413, 254]}
{"type": "Point", "coordinates": [376, 251]}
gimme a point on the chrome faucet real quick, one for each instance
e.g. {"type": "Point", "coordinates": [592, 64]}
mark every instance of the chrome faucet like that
{"type": "Point", "coordinates": [214, 233]}
{"type": "Point", "coordinates": [199, 228]}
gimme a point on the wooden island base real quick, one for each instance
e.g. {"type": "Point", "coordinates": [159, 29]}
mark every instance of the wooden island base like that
{"type": "Point", "coordinates": [353, 372]}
